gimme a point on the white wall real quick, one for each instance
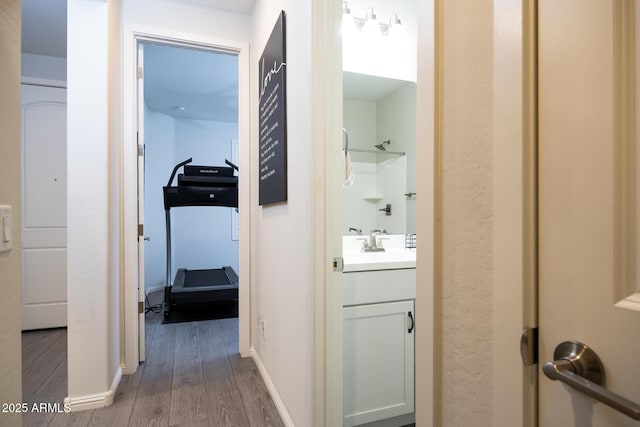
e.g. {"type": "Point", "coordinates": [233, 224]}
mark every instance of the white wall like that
{"type": "Point", "coordinates": [202, 235]}
{"type": "Point", "coordinates": [357, 210]}
{"type": "Point", "coordinates": [187, 18]}
{"type": "Point", "coordinates": [281, 246]}
{"type": "Point", "coordinates": [10, 263]}
{"type": "Point", "coordinates": [359, 118]}
{"type": "Point", "coordinates": [386, 57]}
{"type": "Point", "coordinates": [391, 177]}
{"type": "Point", "coordinates": [159, 162]}
{"type": "Point", "coordinates": [93, 239]}
{"type": "Point", "coordinates": [44, 67]}
{"type": "Point", "coordinates": [397, 121]}
{"type": "Point", "coordinates": [369, 123]}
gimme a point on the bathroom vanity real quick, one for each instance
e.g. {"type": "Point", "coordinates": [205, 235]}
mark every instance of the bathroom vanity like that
{"type": "Point", "coordinates": [379, 332]}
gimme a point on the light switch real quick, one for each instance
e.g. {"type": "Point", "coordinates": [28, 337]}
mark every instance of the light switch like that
{"type": "Point", "coordinates": [5, 228]}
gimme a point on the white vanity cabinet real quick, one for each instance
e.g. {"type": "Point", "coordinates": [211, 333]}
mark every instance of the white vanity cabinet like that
{"type": "Point", "coordinates": [378, 361]}
{"type": "Point", "coordinates": [378, 347]}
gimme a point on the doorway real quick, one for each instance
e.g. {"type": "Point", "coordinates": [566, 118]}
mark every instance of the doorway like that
{"type": "Point", "coordinates": [379, 199]}
{"type": "Point", "coordinates": [44, 202]}
{"type": "Point", "coordinates": [190, 112]}
{"type": "Point", "coordinates": [174, 120]}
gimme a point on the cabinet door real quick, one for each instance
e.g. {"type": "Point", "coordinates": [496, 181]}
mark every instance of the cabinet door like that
{"type": "Point", "coordinates": [378, 362]}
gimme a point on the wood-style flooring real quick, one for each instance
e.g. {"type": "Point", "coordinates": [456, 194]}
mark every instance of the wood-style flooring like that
{"type": "Point", "coordinates": [193, 377]}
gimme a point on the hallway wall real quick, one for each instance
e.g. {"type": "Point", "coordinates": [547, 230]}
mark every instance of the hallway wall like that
{"type": "Point", "coordinates": [281, 246]}
{"type": "Point", "coordinates": [44, 67]}
{"type": "Point", "coordinates": [95, 156]}
{"type": "Point", "coordinates": [486, 293]}
{"type": "Point", "coordinates": [93, 104]}
{"type": "Point", "coordinates": [10, 263]}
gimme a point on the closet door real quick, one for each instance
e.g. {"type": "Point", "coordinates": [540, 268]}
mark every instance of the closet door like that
{"type": "Point", "coordinates": [44, 207]}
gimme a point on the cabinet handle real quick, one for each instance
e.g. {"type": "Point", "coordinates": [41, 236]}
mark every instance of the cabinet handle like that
{"type": "Point", "coordinates": [413, 323]}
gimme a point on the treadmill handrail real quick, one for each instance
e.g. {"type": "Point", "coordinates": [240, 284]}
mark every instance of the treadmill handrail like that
{"type": "Point", "coordinates": [231, 164]}
{"type": "Point", "coordinates": [175, 170]}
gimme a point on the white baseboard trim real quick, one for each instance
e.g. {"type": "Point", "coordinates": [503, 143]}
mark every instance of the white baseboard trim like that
{"type": "Point", "coordinates": [282, 411]}
{"type": "Point", "coordinates": [95, 401]}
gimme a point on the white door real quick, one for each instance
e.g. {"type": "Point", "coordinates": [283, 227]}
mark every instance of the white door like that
{"type": "Point", "coordinates": [141, 238]}
{"type": "Point", "coordinates": [587, 199]}
{"type": "Point", "coordinates": [44, 207]}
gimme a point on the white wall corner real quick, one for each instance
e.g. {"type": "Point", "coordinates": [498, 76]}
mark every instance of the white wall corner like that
{"type": "Point", "coordinates": [273, 392]}
{"type": "Point", "coordinates": [95, 401]}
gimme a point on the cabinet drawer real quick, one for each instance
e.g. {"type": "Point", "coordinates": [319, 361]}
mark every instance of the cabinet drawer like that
{"type": "Point", "coordinates": [368, 287]}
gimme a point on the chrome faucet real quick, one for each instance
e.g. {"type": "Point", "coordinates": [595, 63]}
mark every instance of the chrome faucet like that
{"type": "Point", "coordinates": [357, 230]}
{"type": "Point", "coordinates": [373, 242]}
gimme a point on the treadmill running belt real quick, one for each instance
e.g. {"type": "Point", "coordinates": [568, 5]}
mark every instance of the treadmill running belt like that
{"type": "Point", "coordinates": [203, 286]}
{"type": "Point", "coordinates": [211, 277]}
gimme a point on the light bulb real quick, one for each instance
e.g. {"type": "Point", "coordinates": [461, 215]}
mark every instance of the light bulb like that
{"type": "Point", "coordinates": [395, 25]}
{"type": "Point", "coordinates": [371, 26]}
{"type": "Point", "coordinates": [348, 24]}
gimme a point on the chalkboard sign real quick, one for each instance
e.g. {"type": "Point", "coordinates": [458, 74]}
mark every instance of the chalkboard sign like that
{"type": "Point", "coordinates": [273, 118]}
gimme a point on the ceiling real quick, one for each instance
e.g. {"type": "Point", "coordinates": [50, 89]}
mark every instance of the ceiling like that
{"type": "Point", "coordinates": [190, 83]}
{"type": "Point", "coordinates": [366, 87]}
{"type": "Point", "coordinates": [44, 27]}
{"type": "Point", "coordinates": [204, 83]}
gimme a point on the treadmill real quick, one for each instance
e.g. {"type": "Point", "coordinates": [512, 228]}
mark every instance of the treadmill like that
{"type": "Point", "coordinates": [199, 186]}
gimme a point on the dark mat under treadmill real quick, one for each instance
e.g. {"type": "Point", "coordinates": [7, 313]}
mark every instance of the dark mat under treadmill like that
{"type": "Point", "coordinates": [195, 313]}
{"type": "Point", "coordinates": [212, 277]}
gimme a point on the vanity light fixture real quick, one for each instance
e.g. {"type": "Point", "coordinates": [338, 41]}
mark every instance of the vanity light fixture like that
{"type": "Point", "coordinates": [348, 24]}
{"type": "Point", "coordinates": [370, 24]}
{"type": "Point", "coordinates": [394, 24]}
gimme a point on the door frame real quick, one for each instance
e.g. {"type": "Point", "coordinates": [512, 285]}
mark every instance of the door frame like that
{"type": "Point", "coordinates": [327, 220]}
{"type": "Point", "coordinates": [515, 233]}
{"type": "Point", "coordinates": [129, 302]}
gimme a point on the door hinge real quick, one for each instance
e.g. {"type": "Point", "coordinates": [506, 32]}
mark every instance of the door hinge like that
{"type": "Point", "coordinates": [338, 263]}
{"type": "Point", "coordinates": [140, 230]}
{"type": "Point", "coordinates": [139, 72]}
{"type": "Point", "coordinates": [140, 307]}
{"type": "Point", "coordinates": [529, 346]}
{"type": "Point", "coordinates": [140, 150]}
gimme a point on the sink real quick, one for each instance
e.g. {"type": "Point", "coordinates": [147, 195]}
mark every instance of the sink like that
{"type": "Point", "coordinates": [394, 257]}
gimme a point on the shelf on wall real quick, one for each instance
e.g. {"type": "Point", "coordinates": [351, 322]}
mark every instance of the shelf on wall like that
{"type": "Point", "coordinates": [372, 198]}
{"type": "Point", "coordinates": [372, 156]}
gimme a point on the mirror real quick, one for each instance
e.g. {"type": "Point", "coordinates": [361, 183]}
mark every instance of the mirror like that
{"type": "Point", "coordinates": [379, 117]}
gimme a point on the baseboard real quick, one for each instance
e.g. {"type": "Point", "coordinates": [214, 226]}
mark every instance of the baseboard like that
{"type": "Point", "coordinates": [95, 401]}
{"type": "Point", "coordinates": [282, 411]}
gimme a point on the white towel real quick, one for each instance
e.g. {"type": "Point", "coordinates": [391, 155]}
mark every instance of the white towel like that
{"type": "Point", "coordinates": [348, 170]}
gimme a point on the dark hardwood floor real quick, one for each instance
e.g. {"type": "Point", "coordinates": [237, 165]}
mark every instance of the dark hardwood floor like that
{"type": "Point", "coordinates": [193, 377]}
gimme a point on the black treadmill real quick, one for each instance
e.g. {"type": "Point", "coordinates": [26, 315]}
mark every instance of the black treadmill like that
{"type": "Point", "coordinates": [199, 186]}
